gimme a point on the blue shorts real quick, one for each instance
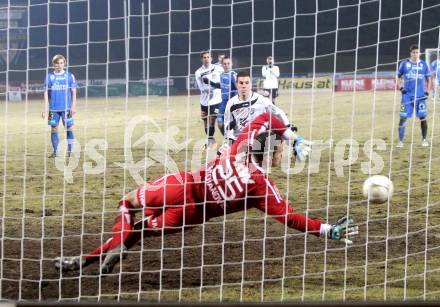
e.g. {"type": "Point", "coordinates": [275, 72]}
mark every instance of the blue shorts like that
{"type": "Point", "coordinates": [408, 105]}
{"type": "Point", "coordinates": [221, 112]}
{"type": "Point", "coordinates": [55, 116]}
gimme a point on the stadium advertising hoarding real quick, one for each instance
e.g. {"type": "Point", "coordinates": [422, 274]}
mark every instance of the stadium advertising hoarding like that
{"type": "Point", "coordinates": [349, 84]}
{"type": "Point", "coordinates": [287, 85]}
{"type": "Point", "coordinates": [302, 84]}
{"type": "Point", "coordinates": [95, 87]}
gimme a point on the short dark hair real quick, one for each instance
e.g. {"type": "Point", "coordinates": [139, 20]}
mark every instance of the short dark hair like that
{"type": "Point", "coordinates": [204, 52]}
{"type": "Point", "coordinates": [243, 74]}
{"type": "Point", "coordinates": [226, 57]}
{"type": "Point", "coordinates": [413, 47]}
{"type": "Point", "coordinates": [265, 142]}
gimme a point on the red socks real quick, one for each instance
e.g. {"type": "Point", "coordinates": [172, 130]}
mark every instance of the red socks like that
{"type": "Point", "coordinates": [121, 230]}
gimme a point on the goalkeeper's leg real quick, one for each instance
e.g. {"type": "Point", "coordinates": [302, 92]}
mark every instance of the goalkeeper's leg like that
{"type": "Point", "coordinates": [173, 220]}
{"type": "Point", "coordinates": [173, 190]}
{"type": "Point", "coordinates": [121, 231]}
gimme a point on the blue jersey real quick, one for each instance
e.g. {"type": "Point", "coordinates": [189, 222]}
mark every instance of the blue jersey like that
{"type": "Point", "coordinates": [414, 75]}
{"type": "Point", "coordinates": [435, 68]}
{"type": "Point", "coordinates": [59, 87]}
{"type": "Point", "coordinates": [228, 85]}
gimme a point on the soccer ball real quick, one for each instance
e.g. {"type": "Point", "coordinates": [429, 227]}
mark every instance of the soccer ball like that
{"type": "Point", "coordinates": [378, 189]}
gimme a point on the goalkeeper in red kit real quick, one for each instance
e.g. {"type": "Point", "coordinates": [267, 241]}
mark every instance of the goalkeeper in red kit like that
{"type": "Point", "coordinates": [234, 181]}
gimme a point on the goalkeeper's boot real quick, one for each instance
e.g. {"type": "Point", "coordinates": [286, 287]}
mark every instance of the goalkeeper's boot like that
{"type": "Point", "coordinates": [342, 229]}
{"type": "Point", "coordinates": [425, 143]}
{"type": "Point", "coordinates": [69, 263]}
{"type": "Point", "coordinates": [53, 155]}
{"type": "Point", "coordinates": [112, 258]}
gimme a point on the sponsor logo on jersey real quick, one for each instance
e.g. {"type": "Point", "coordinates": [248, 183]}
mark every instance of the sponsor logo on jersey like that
{"type": "Point", "coordinates": [59, 87]}
{"type": "Point", "coordinates": [415, 75]}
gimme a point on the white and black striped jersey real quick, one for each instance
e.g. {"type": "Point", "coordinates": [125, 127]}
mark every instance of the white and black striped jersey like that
{"type": "Point", "coordinates": [209, 95]}
{"type": "Point", "coordinates": [239, 113]}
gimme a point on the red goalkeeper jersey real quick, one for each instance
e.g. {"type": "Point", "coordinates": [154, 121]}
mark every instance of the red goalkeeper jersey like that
{"type": "Point", "coordinates": [234, 181]}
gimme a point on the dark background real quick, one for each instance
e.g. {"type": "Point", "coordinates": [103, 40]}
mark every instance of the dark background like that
{"type": "Point", "coordinates": [305, 36]}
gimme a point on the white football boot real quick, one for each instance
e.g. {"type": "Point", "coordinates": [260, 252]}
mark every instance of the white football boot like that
{"type": "Point", "coordinates": [69, 263]}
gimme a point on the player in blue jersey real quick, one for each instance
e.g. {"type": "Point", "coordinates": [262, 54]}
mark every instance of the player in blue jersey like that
{"type": "Point", "coordinates": [228, 86]}
{"type": "Point", "coordinates": [435, 70]}
{"type": "Point", "coordinates": [60, 102]}
{"type": "Point", "coordinates": [411, 81]}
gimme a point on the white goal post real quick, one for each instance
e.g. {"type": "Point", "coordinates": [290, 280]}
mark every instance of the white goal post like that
{"type": "Point", "coordinates": [431, 54]}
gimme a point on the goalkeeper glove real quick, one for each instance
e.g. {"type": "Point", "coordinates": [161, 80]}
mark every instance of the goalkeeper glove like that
{"type": "Point", "coordinates": [301, 148]}
{"type": "Point", "coordinates": [403, 90]}
{"type": "Point", "coordinates": [205, 80]}
{"type": "Point", "coordinates": [342, 229]}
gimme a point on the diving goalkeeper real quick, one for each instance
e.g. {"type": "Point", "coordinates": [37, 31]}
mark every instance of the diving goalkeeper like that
{"type": "Point", "coordinates": [234, 181]}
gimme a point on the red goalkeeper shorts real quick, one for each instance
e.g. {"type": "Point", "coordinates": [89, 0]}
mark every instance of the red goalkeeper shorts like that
{"type": "Point", "coordinates": [170, 203]}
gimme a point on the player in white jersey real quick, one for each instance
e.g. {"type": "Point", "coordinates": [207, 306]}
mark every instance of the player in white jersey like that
{"type": "Point", "coordinates": [247, 105]}
{"type": "Point", "coordinates": [210, 98]}
{"type": "Point", "coordinates": [270, 74]}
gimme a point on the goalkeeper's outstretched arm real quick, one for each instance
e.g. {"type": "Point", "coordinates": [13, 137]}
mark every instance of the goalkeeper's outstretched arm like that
{"type": "Point", "coordinates": [271, 202]}
{"type": "Point", "coordinates": [274, 205]}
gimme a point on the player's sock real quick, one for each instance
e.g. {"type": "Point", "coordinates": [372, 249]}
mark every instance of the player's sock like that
{"type": "Point", "coordinates": [54, 138]}
{"type": "Point", "coordinates": [206, 130]}
{"type": "Point", "coordinates": [93, 256]}
{"type": "Point", "coordinates": [120, 233]}
{"type": "Point", "coordinates": [211, 132]}
{"type": "Point", "coordinates": [424, 126]}
{"type": "Point", "coordinates": [123, 225]}
{"type": "Point", "coordinates": [402, 125]}
{"type": "Point", "coordinates": [138, 229]}
{"type": "Point", "coordinates": [70, 138]}
{"type": "Point", "coordinates": [129, 242]}
{"type": "Point", "coordinates": [222, 129]}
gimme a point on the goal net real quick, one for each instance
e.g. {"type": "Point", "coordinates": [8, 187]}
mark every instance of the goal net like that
{"type": "Point", "coordinates": [432, 59]}
{"type": "Point", "coordinates": [138, 118]}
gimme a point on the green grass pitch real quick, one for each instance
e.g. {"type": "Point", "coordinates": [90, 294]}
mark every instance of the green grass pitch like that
{"type": "Point", "coordinates": [242, 257]}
